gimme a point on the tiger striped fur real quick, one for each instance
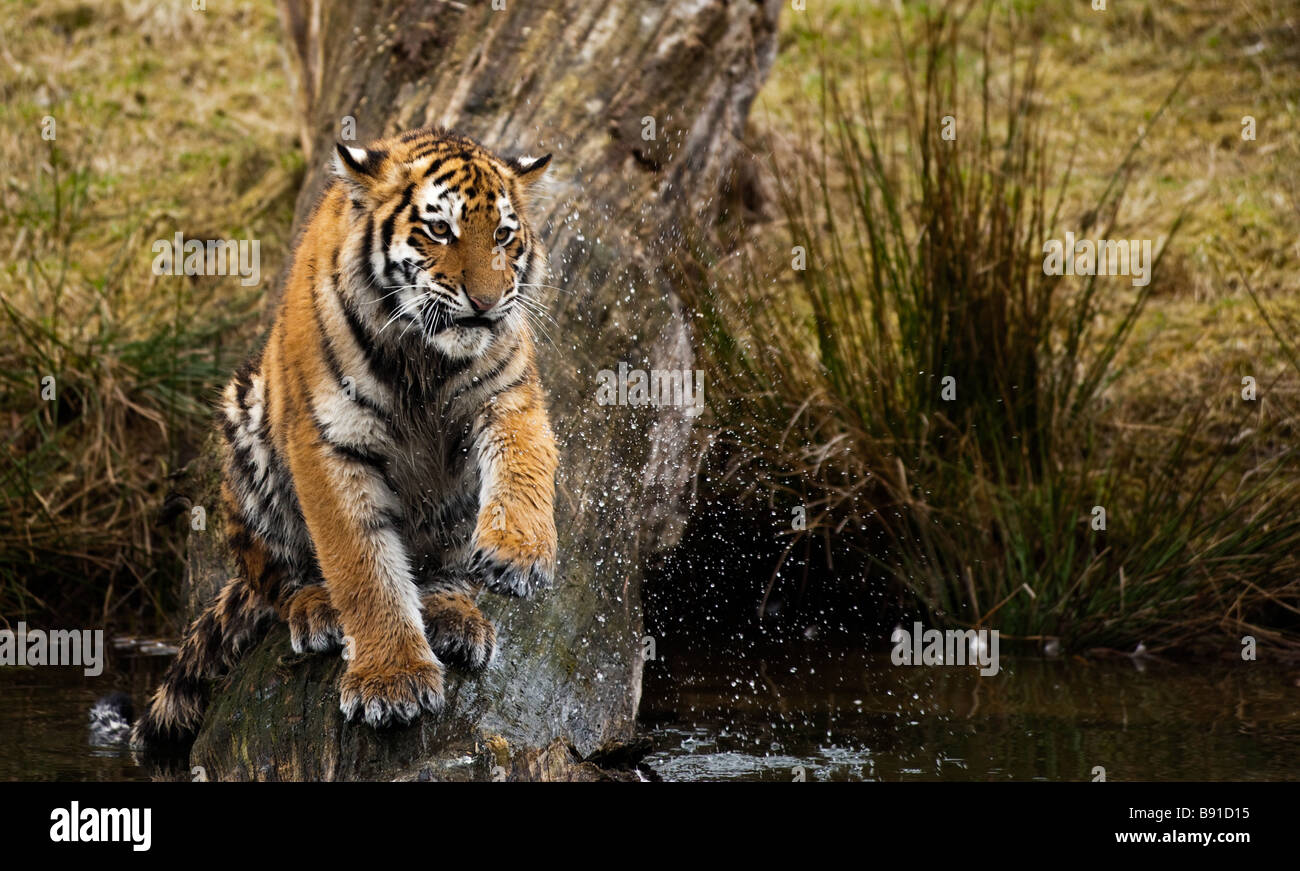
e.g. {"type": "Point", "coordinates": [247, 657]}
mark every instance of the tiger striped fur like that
{"type": "Point", "coordinates": [388, 453]}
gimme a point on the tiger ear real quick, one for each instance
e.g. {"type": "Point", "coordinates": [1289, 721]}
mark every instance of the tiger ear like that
{"type": "Point", "coordinates": [529, 170]}
{"type": "Point", "coordinates": [362, 166]}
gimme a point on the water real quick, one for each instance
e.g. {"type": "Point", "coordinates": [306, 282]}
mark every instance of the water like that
{"type": "Point", "coordinates": [837, 714]}
{"type": "Point", "coordinates": [44, 725]}
{"type": "Point", "coordinates": [850, 715]}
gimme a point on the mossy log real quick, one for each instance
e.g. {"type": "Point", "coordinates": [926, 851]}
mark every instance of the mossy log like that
{"type": "Point", "coordinates": [643, 103]}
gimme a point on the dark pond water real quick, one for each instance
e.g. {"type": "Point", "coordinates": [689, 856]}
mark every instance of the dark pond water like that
{"type": "Point", "coordinates": [44, 722]}
{"type": "Point", "coordinates": [835, 715]}
{"type": "Point", "coordinates": [838, 715]}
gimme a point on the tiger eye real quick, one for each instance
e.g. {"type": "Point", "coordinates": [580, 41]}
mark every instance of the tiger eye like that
{"type": "Point", "coordinates": [441, 228]}
{"type": "Point", "coordinates": [502, 234]}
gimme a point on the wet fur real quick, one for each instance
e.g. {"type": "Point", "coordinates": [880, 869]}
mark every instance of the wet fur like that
{"type": "Point", "coordinates": [387, 455]}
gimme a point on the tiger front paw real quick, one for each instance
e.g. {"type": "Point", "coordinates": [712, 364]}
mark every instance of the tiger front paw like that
{"type": "Point", "coordinates": [514, 549]}
{"type": "Point", "coordinates": [383, 696]}
{"type": "Point", "coordinates": [458, 631]}
{"type": "Point", "coordinates": [505, 576]}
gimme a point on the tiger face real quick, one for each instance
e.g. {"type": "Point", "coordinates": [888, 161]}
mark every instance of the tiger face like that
{"type": "Point", "coordinates": [444, 237]}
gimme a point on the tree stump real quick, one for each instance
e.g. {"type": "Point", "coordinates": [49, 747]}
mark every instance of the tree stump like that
{"type": "Point", "coordinates": [643, 104]}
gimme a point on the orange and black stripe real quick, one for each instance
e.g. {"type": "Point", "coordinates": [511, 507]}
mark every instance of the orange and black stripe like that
{"type": "Point", "coordinates": [397, 386]}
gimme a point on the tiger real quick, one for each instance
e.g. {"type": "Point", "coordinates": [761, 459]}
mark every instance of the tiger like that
{"type": "Point", "coordinates": [387, 454]}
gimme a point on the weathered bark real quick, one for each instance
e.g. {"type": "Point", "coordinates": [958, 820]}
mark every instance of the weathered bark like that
{"type": "Point", "coordinates": [582, 80]}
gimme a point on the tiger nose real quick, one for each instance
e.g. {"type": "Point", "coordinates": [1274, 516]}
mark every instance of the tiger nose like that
{"type": "Point", "coordinates": [479, 303]}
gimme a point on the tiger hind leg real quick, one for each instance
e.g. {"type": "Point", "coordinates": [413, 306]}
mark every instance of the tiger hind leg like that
{"type": "Point", "coordinates": [213, 643]}
{"type": "Point", "coordinates": [314, 622]}
{"type": "Point", "coordinates": [457, 630]}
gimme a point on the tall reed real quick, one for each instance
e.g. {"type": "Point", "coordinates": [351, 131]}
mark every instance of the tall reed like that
{"type": "Point", "coordinates": [930, 396]}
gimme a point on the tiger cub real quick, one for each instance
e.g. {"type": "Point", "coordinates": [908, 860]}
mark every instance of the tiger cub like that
{"type": "Point", "coordinates": [388, 453]}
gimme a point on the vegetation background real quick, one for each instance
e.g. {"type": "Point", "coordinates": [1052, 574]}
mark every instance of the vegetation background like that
{"type": "Point", "coordinates": [924, 256]}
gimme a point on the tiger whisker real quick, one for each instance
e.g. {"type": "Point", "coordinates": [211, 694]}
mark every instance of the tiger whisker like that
{"type": "Point", "coordinates": [533, 322]}
{"type": "Point", "coordinates": [402, 310]}
{"type": "Point", "coordinates": [416, 317]}
{"type": "Point", "coordinates": [542, 316]}
{"type": "Point", "coordinates": [538, 309]}
{"type": "Point", "coordinates": [392, 289]}
{"type": "Point", "coordinates": [547, 287]}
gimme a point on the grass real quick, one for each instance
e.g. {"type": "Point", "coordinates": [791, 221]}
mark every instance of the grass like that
{"type": "Point", "coordinates": [164, 121]}
{"type": "Point", "coordinates": [924, 262]}
{"type": "Point", "coordinates": [174, 120]}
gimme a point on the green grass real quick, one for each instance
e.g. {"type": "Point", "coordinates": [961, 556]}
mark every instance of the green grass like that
{"type": "Point", "coordinates": [88, 460]}
{"type": "Point", "coordinates": [166, 120]}
{"type": "Point", "coordinates": [924, 262]}
{"type": "Point", "coordinates": [171, 120]}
